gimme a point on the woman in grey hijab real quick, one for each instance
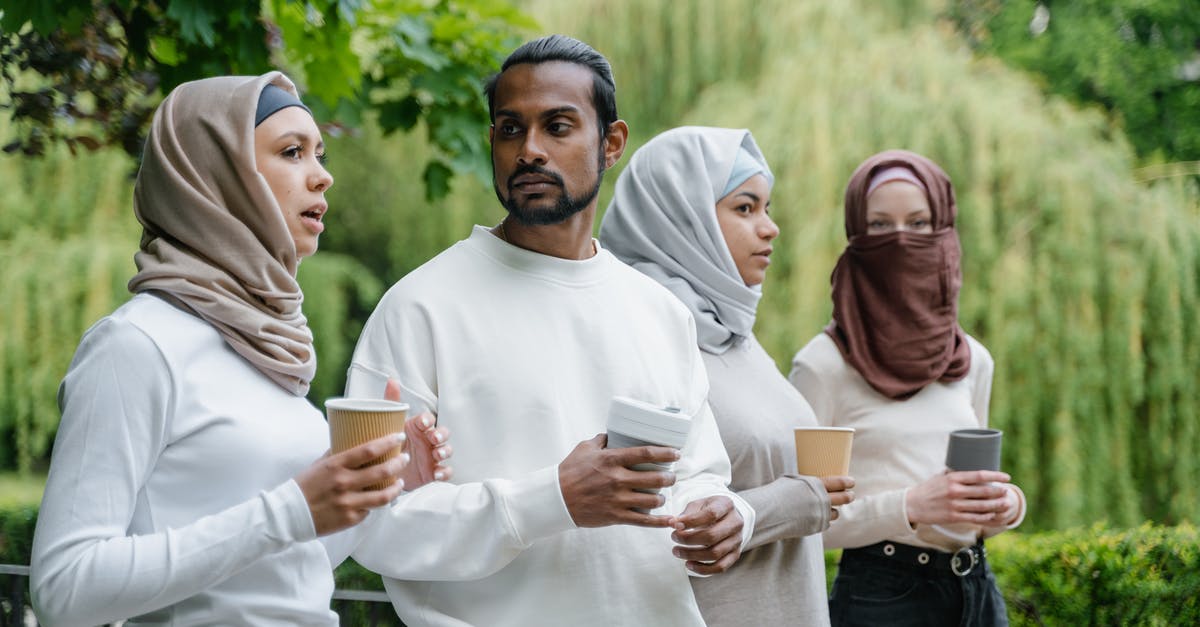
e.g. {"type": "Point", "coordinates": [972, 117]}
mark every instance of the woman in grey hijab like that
{"type": "Point", "coordinates": [691, 211]}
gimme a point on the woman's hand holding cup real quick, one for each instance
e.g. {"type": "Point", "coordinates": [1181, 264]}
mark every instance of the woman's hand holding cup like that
{"type": "Point", "coordinates": [840, 492]}
{"type": "Point", "coordinates": [969, 496]}
{"type": "Point", "coordinates": [338, 486]}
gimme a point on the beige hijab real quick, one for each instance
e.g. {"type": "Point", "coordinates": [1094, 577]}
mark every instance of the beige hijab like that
{"type": "Point", "coordinates": [214, 240]}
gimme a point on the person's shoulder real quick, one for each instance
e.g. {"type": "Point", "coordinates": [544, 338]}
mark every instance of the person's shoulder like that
{"type": "Point", "coordinates": [439, 275]}
{"type": "Point", "coordinates": [143, 328]}
{"type": "Point", "coordinates": [821, 354]}
{"type": "Point", "coordinates": [981, 358]}
{"type": "Point", "coordinates": [637, 280]}
{"type": "Point", "coordinates": [646, 290]}
{"type": "Point", "coordinates": [160, 321]}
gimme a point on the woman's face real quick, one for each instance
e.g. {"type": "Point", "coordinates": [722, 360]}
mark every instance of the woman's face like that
{"type": "Point", "coordinates": [289, 153]}
{"type": "Point", "coordinates": [898, 206]}
{"type": "Point", "coordinates": [747, 228]}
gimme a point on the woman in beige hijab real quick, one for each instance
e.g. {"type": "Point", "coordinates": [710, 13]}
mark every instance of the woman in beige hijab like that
{"type": "Point", "coordinates": [183, 487]}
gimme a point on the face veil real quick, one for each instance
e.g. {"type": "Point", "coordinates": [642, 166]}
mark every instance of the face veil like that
{"type": "Point", "coordinates": [895, 295]}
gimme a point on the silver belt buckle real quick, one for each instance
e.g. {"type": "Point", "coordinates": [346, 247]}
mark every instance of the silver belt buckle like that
{"type": "Point", "coordinates": [956, 562]}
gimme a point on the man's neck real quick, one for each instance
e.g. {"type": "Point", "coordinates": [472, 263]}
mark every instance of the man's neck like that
{"type": "Point", "coordinates": [570, 239]}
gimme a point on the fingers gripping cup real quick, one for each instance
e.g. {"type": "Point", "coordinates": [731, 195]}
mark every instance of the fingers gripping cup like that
{"type": "Point", "coordinates": [634, 423]}
{"type": "Point", "coordinates": [823, 451]}
{"type": "Point", "coordinates": [354, 421]}
{"type": "Point", "coordinates": [974, 449]}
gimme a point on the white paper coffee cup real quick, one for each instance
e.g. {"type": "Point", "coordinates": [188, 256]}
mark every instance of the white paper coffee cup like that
{"type": "Point", "coordinates": [635, 423]}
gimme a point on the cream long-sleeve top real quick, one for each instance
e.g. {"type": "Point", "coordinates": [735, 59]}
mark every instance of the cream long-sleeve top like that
{"type": "Point", "coordinates": [897, 444]}
{"type": "Point", "coordinates": [169, 498]}
{"type": "Point", "coordinates": [780, 579]}
{"type": "Point", "coordinates": [519, 354]}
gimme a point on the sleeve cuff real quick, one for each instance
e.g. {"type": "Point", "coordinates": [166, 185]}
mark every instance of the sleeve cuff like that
{"type": "Point", "coordinates": [1020, 507]}
{"type": "Point", "coordinates": [290, 518]}
{"type": "Point", "coordinates": [536, 507]}
{"type": "Point", "coordinates": [897, 501]}
{"type": "Point", "coordinates": [748, 518]}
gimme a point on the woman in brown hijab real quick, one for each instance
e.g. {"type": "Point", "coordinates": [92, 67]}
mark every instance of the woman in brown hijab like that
{"type": "Point", "coordinates": [183, 487]}
{"type": "Point", "coordinates": [895, 365]}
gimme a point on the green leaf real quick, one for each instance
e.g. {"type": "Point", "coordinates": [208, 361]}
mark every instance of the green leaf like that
{"type": "Point", "coordinates": [437, 180]}
{"type": "Point", "coordinates": [399, 115]}
{"type": "Point", "coordinates": [165, 50]}
{"type": "Point", "coordinates": [195, 21]}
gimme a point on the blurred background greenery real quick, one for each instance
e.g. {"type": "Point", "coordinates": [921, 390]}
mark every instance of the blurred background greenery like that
{"type": "Point", "coordinates": [1071, 133]}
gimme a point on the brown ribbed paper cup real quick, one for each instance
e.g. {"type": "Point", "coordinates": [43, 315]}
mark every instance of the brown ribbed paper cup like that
{"type": "Point", "coordinates": [823, 451]}
{"type": "Point", "coordinates": [354, 421]}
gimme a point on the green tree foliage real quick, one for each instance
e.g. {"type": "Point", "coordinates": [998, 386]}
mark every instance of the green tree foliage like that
{"type": "Point", "coordinates": [1080, 280]}
{"type": "Point", "coordinates": [1138, 59]}
{"type": "Point", "coordinates": [1082, 274]}
{"type": "Point", "coordinates": [88, 73]}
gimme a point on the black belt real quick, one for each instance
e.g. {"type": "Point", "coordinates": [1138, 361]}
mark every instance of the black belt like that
{"type": "Point", "coordinates": [969, 560]}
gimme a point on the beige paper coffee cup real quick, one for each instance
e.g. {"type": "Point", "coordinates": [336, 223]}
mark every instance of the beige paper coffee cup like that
{"type": "Point", "coordinates": [354, 421]}
{"type": "Point", "coordinates": [823, 451]}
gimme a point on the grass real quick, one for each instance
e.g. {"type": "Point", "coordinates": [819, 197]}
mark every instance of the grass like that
{"type": "Point", "coordinates": [16, 490]}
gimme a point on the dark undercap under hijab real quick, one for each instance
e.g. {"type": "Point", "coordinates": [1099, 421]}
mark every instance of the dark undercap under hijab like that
{"type": "Point", "coordinates": [895, 295]}
{"type": "Point", "coordinates": [214, 240]}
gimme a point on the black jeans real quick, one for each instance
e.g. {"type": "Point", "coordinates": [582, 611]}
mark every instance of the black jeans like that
{"type": "Point", "coordinates": [873, 590]}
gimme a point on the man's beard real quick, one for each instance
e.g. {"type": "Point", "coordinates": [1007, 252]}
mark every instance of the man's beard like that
{"type": "Point", "coordinates": [566, 206]}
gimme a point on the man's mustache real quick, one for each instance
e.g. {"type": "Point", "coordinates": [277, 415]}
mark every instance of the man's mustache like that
{"type": "Point", "coordinates": [534, 169]}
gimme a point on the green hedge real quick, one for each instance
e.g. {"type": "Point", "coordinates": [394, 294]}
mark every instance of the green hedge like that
{"type": "Point", "coordinates": [16, 533]}
{"type": "Point", "coordinates": [1149, 575]}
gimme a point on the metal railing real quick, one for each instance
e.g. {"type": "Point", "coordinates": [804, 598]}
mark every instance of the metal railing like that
{"type": "Point", "coordinates": [355, 607]}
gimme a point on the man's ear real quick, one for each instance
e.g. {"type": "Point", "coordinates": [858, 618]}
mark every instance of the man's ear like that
{"type": "Point", "coordinates": [614, 142]}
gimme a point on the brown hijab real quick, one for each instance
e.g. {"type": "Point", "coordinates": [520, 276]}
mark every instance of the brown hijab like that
{"type": "Point", "coordinates": [895, 295]}
{"type": "Point", "coordinates": [214, 240]}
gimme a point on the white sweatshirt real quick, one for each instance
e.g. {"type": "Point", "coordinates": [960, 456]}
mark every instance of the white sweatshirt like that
{"type": "Point", "coordinates": [897, 444]}
{"type": "Point", "coordinates": [519, 354]}
{"type": "Point", "coordinates": [170, 492]}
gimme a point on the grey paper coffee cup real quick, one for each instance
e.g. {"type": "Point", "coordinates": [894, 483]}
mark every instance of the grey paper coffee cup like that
{"type": "Point", "coordinates": [634, 423]}
{"type": "Point", "coordinates": [974, 449]}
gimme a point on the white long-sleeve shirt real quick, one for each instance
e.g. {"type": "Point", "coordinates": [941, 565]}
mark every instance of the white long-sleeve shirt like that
{"type": "Point", "coordinates": [897, 444]}
{"type": "Point", "coordinates": [170, 496]}
{"type": "Point", "coordinates": [519, 355]}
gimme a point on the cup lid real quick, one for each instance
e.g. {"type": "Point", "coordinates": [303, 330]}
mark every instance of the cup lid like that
{"type": "Point", "coordinates": [648, 422]}
{"type": "Point", "coordinates": [364, 404]}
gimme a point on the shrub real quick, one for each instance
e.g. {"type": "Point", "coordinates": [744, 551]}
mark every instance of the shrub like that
{"type": "Point", "coordinates": [1149, 575]}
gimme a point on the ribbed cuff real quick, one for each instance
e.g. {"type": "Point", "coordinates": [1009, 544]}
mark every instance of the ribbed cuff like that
{"type": "Point", "coordinates": [535, 507]}
{"type": "Point", "coordinates": [289, 516]}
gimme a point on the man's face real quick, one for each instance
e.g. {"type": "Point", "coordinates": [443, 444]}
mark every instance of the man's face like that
{"type": "Point", "coordinates": [547, 153]}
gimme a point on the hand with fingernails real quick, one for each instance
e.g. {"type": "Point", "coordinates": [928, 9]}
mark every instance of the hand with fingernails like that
{"type": "Point", "coordinates": [428, 446]}
{"type": "Point", "coordinates": [840, 493]}
{"type": "Point", "coordinates": [335, 486]}
{"type": "Point", "coordinates": [600, 489]}
{"type": "Point", "coordinates": [971, 496]}
{"type": "Point", "coordinates": [709, 535]}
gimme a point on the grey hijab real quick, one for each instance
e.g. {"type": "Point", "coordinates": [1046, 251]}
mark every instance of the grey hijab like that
{"type": "Point", "coordinates": [663, 221]}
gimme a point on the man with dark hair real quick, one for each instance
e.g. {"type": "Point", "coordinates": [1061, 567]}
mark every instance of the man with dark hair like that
{"type": "Point", "coordinates": [519, 338]}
